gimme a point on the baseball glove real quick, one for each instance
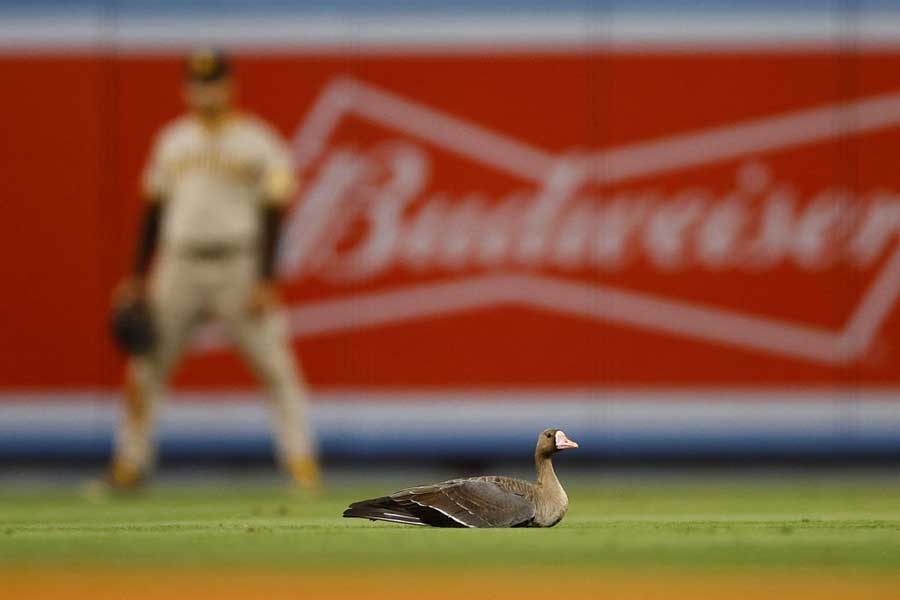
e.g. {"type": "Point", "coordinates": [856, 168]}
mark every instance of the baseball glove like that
{"type": "Point", "coordinates": [132, 327]}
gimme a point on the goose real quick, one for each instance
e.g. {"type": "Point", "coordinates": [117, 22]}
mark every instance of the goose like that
{"type": "Point", "coordinates": [480, 502]}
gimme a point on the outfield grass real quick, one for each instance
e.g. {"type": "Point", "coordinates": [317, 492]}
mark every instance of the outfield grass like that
{"type": "Point", "coordinates": [776, 526]}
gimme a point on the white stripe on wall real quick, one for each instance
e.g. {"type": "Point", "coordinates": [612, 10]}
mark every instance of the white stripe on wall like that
{"type": "Point", "coordinates": [400, 33]}
{"type": "Point", "coordinates": [366, 414]}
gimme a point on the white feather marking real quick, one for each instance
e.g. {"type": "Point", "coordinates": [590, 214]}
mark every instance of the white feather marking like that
{"type": "Point", "coordinates": [443, 513]}
{"type": "Point", "coordinates": [400, 516]}
{"type": "Point", "coordinates": [396, 521]}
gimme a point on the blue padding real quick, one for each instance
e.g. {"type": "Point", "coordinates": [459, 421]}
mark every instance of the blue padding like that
{"type": "Point", "coordinates": [495, 446]}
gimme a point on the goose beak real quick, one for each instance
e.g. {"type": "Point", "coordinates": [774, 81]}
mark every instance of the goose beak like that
{"type": "Point", "coordinates": [564, 443]}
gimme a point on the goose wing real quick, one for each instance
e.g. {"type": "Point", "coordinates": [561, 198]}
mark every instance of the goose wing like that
{"type": "Point", "coordinates": [476, 502]}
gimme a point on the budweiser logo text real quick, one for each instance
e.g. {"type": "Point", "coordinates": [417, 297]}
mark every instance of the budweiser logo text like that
{"type": "Point", "coordinates": [376, 210]}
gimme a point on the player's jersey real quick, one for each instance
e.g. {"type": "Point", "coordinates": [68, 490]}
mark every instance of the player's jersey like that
{"type": "Point", "coordinates": [215, 180]}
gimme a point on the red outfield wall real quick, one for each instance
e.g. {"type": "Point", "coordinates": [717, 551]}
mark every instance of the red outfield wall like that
{"type": "Point", "coordinates": [554, 220]}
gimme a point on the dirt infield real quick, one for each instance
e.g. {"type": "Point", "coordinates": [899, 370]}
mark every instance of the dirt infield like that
{"type": "Point", "coordinates": [398, 584]}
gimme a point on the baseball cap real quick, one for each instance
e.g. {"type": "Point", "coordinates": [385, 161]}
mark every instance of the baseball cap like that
{"type": "Point", "coordinates": [207, 64]}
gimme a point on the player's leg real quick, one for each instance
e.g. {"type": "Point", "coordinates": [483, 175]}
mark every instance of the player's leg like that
{"type": "Point", "coordinates": [264, 342]}
{"type": "Point", "coordinates": [133, 451]}
{"type": "Point", "coordinates": [174, 311]}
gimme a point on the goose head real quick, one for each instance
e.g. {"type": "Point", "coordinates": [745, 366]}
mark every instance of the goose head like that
{"type": "Point", "coordinates": [553, 440]}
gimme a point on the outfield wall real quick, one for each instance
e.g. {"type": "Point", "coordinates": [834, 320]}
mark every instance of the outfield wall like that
{"type": "Point", "coordinates": [668, 229]}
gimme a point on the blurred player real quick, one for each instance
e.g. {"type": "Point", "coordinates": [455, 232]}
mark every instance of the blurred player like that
{"type": "Point", "coordinates": [216, 184]}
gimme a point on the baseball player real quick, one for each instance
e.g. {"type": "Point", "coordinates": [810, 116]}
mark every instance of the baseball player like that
{"type": "Point", "coordinates": [216, 184]}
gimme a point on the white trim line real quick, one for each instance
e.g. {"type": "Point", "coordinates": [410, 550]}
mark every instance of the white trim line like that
{"type": "Point", "coordinates": [345, 95]}
{"type": "Point", "coordinates": [442, 129]}
{"type": "Point", "coordinates": [596, 302]}
{"type": "Point", "coordinates": [727, 142]}
{"type": "Point", "coordinates": [347, 33]}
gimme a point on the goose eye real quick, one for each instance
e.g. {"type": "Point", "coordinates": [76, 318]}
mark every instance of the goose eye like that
{"type": "Point", "coordinates": [549, 435]}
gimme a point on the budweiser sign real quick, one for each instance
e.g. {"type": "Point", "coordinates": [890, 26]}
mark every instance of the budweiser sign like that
{"type": "Point", "coordinates": [532, 217]}
{"type": "Point", "coordinates": [557, 231]}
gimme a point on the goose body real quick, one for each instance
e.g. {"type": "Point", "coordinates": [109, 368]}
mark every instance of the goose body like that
{"type": "Point", "coordinates": [480, 502]}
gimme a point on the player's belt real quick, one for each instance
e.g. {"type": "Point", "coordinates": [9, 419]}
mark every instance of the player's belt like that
{"type": "Point", "coordinates": [213, 252]}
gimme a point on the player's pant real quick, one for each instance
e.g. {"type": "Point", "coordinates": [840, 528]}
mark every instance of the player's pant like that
{"type": "Point", "coordinates": [186, 292]}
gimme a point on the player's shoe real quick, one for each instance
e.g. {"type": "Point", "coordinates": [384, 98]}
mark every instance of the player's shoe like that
{"type": "Point", "coordinates": [117, 480]}
{"type": "Point", "coordinates": [305, 472]}
{"type": "Point", "coordinates": [124, 476]}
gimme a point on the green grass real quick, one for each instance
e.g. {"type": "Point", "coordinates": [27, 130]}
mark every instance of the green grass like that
{"type": "Point", "coordinates": [611, 523]}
